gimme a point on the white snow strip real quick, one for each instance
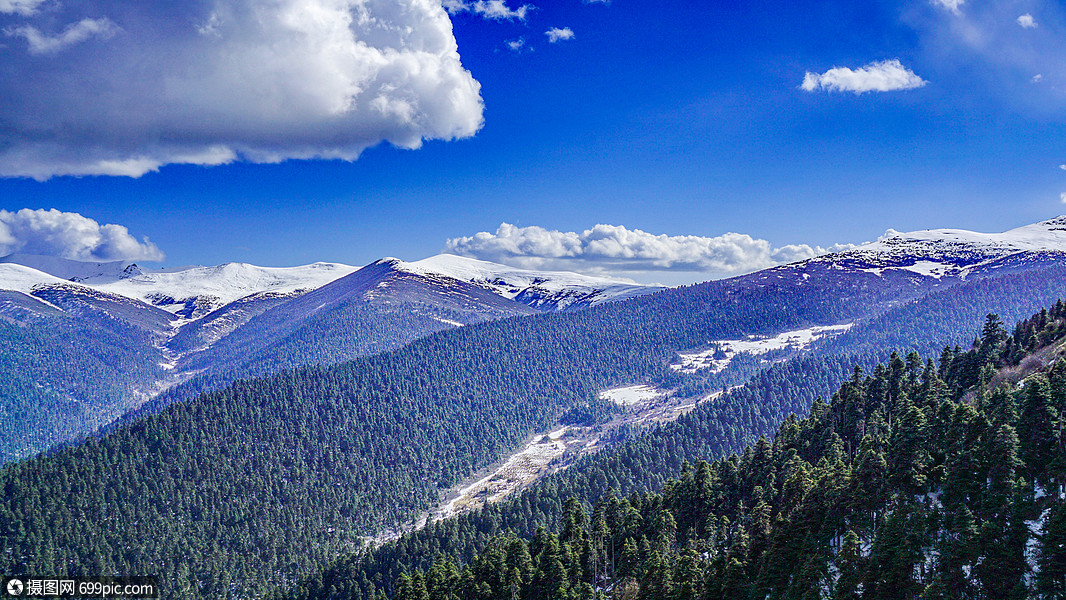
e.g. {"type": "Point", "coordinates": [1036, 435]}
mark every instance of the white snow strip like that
{"type": "Point", "coordinates": [721, 352]}
{"type": "Point", "coordinates": [522, 467]}
{"type": "Point", "coordinates": [930, 268]}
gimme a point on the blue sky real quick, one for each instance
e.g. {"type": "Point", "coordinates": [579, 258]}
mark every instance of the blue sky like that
{"type": "Point", "coordinates": [679, 119]}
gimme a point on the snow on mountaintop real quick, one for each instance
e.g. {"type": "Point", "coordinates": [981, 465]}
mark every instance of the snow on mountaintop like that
{"type": "Point", "coordinates": [23, 279]}
{"type": "Point", "coordinates": [949, 253]}
{"type": "Point", "coordinates": [959, 246]}
{"type": "Point", "coordinates": [218, 286]}
{"type": "Point", "coordinates": [538, 288]}
{"type": "Point", "coordinates": [472, 269]}
{"type": "Point", "coordinates": [74, 270]}
{"type": "Point", "coordinates": [192, 292]}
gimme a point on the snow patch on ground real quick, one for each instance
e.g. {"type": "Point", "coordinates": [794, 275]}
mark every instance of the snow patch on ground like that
{"type": "Point", "coordinates": [1036, 527]}
{"type": "Point", "coordinates": [931, 269]}
{"type": "Point", "coordinates": [548, 453]}
{"type": "Point", "coordinates": [721, 352]}
{"type": "Point", "coordinates": [520, 469]}
{"type": "Point", "coordinates": [630, 395]}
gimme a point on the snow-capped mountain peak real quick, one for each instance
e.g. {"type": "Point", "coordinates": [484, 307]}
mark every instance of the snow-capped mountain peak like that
{"type": "Point", "coordinates": [20, 278]}
{"type": "Point", "coordinates": [954, 252]}
{"type": "Point", "coordinates": [1047, 235]}
{"type": "Point", "coordinates": [188, 292]}
{"type": "Point", "coordinates": [209, 288]}
{"type": "Point", "coordinates": [75, 270]}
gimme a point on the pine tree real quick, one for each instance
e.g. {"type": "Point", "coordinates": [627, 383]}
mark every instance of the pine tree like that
{"type": "Point", "coordinates": [687, 577]}
{"type": "Point", "coordinates": [629, 560]}
{"type": "Point", "coordinates": [1051, 557]}
{"type": "Point", "coordinates": [656, 581]}
{"type": "Point", "coordinates": [1038, 429]}
{"type": "Point", "coordinates": [850, 565]}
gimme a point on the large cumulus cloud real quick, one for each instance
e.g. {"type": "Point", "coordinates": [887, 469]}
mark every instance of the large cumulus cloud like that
{"type": "Point", "coordinates": [121, 87]}
{"type": "Point", "coordinates": [70, 235]}
{"type": "Point", "coordinates": [618, 251]}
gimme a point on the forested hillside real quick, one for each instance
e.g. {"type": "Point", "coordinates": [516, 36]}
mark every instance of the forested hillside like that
{"type": "Point", "coordinates": [60, 378]}
{"type": "Point", "coordinates": [918, 480]}
{"type": "Point", "coordinates": [644, 463]}
{"type": "Point", "coordinates": [951, 316]}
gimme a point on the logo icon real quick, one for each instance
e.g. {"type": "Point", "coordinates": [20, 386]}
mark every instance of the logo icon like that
{"type": "Point", "coordinates": [15, 587]}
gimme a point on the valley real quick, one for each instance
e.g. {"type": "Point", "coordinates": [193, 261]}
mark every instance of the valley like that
{"type": "Point", "coordinates": [550, 452]}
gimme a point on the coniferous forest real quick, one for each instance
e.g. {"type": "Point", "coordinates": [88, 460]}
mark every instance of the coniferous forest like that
{"type": "Point", "coordinates": [918, 479]}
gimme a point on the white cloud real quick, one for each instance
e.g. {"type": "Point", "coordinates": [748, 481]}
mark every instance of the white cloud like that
{"type": "Point", "coordinates": [951, 5]}
{"type": "Point", "coordinates": [1037, 78]}
{"type": "Point", "coordinates": [516, 45]}
{"type": "Point", "coordinates": [616, 250]}
{"type": "Point", "coordinates": [1027, 21]}
{"type": "Point", "coordinates": [20, 7]}
{"type": "Point", "coordinates": [1062, 197]}
{"type": "Point", "coordinates": [70, 235]}
{"type": "Point", "coordinates": [490, 9]}
{"type": "Point", "coordinates": [1063, 167]}
{"type": "Point", "coordinates": [883, 76]}
{"type": "Point", "coordinates": [210, 83]}
{"type": "Point", "coordinates": [81, 31]}
{"type": "Point", "coordinates": [555, 34]}
{"type": "Point", "coordinates": [497, 9]}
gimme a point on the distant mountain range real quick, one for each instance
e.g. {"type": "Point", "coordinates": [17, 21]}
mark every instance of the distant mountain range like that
{"type": "Point", "coordinates": [234, 320]}
{"type": "Point", "coordinates": [126, 333]}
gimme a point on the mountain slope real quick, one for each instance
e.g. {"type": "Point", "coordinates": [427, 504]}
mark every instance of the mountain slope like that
{"type": "Point", "coordinates": [379, 307]}
{"type": "Point", "coordinates": [644, 461]}
{"type": "Point", "coordinates": [306, 462]}
{"type": "Point", "coordinates": [915, 481]}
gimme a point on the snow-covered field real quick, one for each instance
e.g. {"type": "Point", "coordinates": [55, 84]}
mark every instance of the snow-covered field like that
{"type": "Point", "coordinates": [721, 352]}
{"type": "Point", "coordinates": [630, 395]}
